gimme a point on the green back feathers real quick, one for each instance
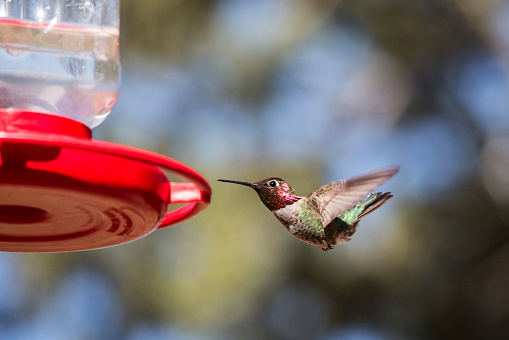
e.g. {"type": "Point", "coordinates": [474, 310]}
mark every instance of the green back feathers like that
{"type": "Point", "coordinates": [353, 214]}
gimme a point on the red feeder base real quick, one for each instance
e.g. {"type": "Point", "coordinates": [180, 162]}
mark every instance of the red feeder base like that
{"type": "Point", "coordinates": [60, 190]}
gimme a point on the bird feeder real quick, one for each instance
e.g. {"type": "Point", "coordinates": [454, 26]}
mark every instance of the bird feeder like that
{"type": "Point", "coordinates": [61, 190]}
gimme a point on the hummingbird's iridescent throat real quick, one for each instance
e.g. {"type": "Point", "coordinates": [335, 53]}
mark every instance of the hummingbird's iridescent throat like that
{"type": "Point", "coordinates": [274, 192]}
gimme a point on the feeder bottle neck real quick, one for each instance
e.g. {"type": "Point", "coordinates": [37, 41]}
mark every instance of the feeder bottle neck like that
{"type": "Point", "coordinates": [74, 68]}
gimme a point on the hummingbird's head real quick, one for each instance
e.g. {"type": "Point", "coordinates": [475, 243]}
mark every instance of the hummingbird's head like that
{"type": "Point", "coordinates": [274, 192]}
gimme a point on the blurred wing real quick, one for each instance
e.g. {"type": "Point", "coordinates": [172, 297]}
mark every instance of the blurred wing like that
{"type": "Point", "coordinates": [335, 198]}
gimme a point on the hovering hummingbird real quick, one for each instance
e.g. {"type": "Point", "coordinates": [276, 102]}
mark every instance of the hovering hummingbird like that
{"type": "Point", "coordinates": [329, 215]}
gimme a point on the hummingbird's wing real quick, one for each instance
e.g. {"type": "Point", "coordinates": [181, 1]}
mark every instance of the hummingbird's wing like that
{"type": "Point", "coordinates": [335, 198]}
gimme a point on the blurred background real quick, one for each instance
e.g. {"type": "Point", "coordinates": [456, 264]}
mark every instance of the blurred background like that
{"type": "Point", "coordinates": [310, 91]}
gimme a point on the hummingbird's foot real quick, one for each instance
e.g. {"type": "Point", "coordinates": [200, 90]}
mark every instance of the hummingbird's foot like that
{"type": "Point", "coordinates": [329, 247]}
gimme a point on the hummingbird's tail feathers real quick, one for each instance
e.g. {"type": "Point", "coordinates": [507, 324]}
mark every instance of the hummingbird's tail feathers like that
{"type": "Point", "coordinates": [345, 225]}
{"type": "Point", "coordinates": [365, 207]}
{"type": "Point", "coordinates": [380, 200]}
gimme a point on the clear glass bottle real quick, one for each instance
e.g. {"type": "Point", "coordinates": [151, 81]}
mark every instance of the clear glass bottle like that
{"type": "Point", "coordinates": [60, 57]}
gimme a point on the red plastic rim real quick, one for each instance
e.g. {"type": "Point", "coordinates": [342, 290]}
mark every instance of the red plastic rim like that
{"type": "Point", "coordinates": [196, 194]}
{"type": "Point", "coordinates": [36, 133]}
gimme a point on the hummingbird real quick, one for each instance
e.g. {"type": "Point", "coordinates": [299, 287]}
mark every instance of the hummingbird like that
{"type": "Point", "coordinates": [329, 215]}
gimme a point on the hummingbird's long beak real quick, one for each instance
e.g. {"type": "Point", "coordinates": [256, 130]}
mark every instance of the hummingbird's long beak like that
{"type": "Point", "coordinates": [238, 182]}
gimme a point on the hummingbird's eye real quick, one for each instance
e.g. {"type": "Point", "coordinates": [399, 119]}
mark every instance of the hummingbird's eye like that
{"type": "Point", "coordinates": [272, 184]}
